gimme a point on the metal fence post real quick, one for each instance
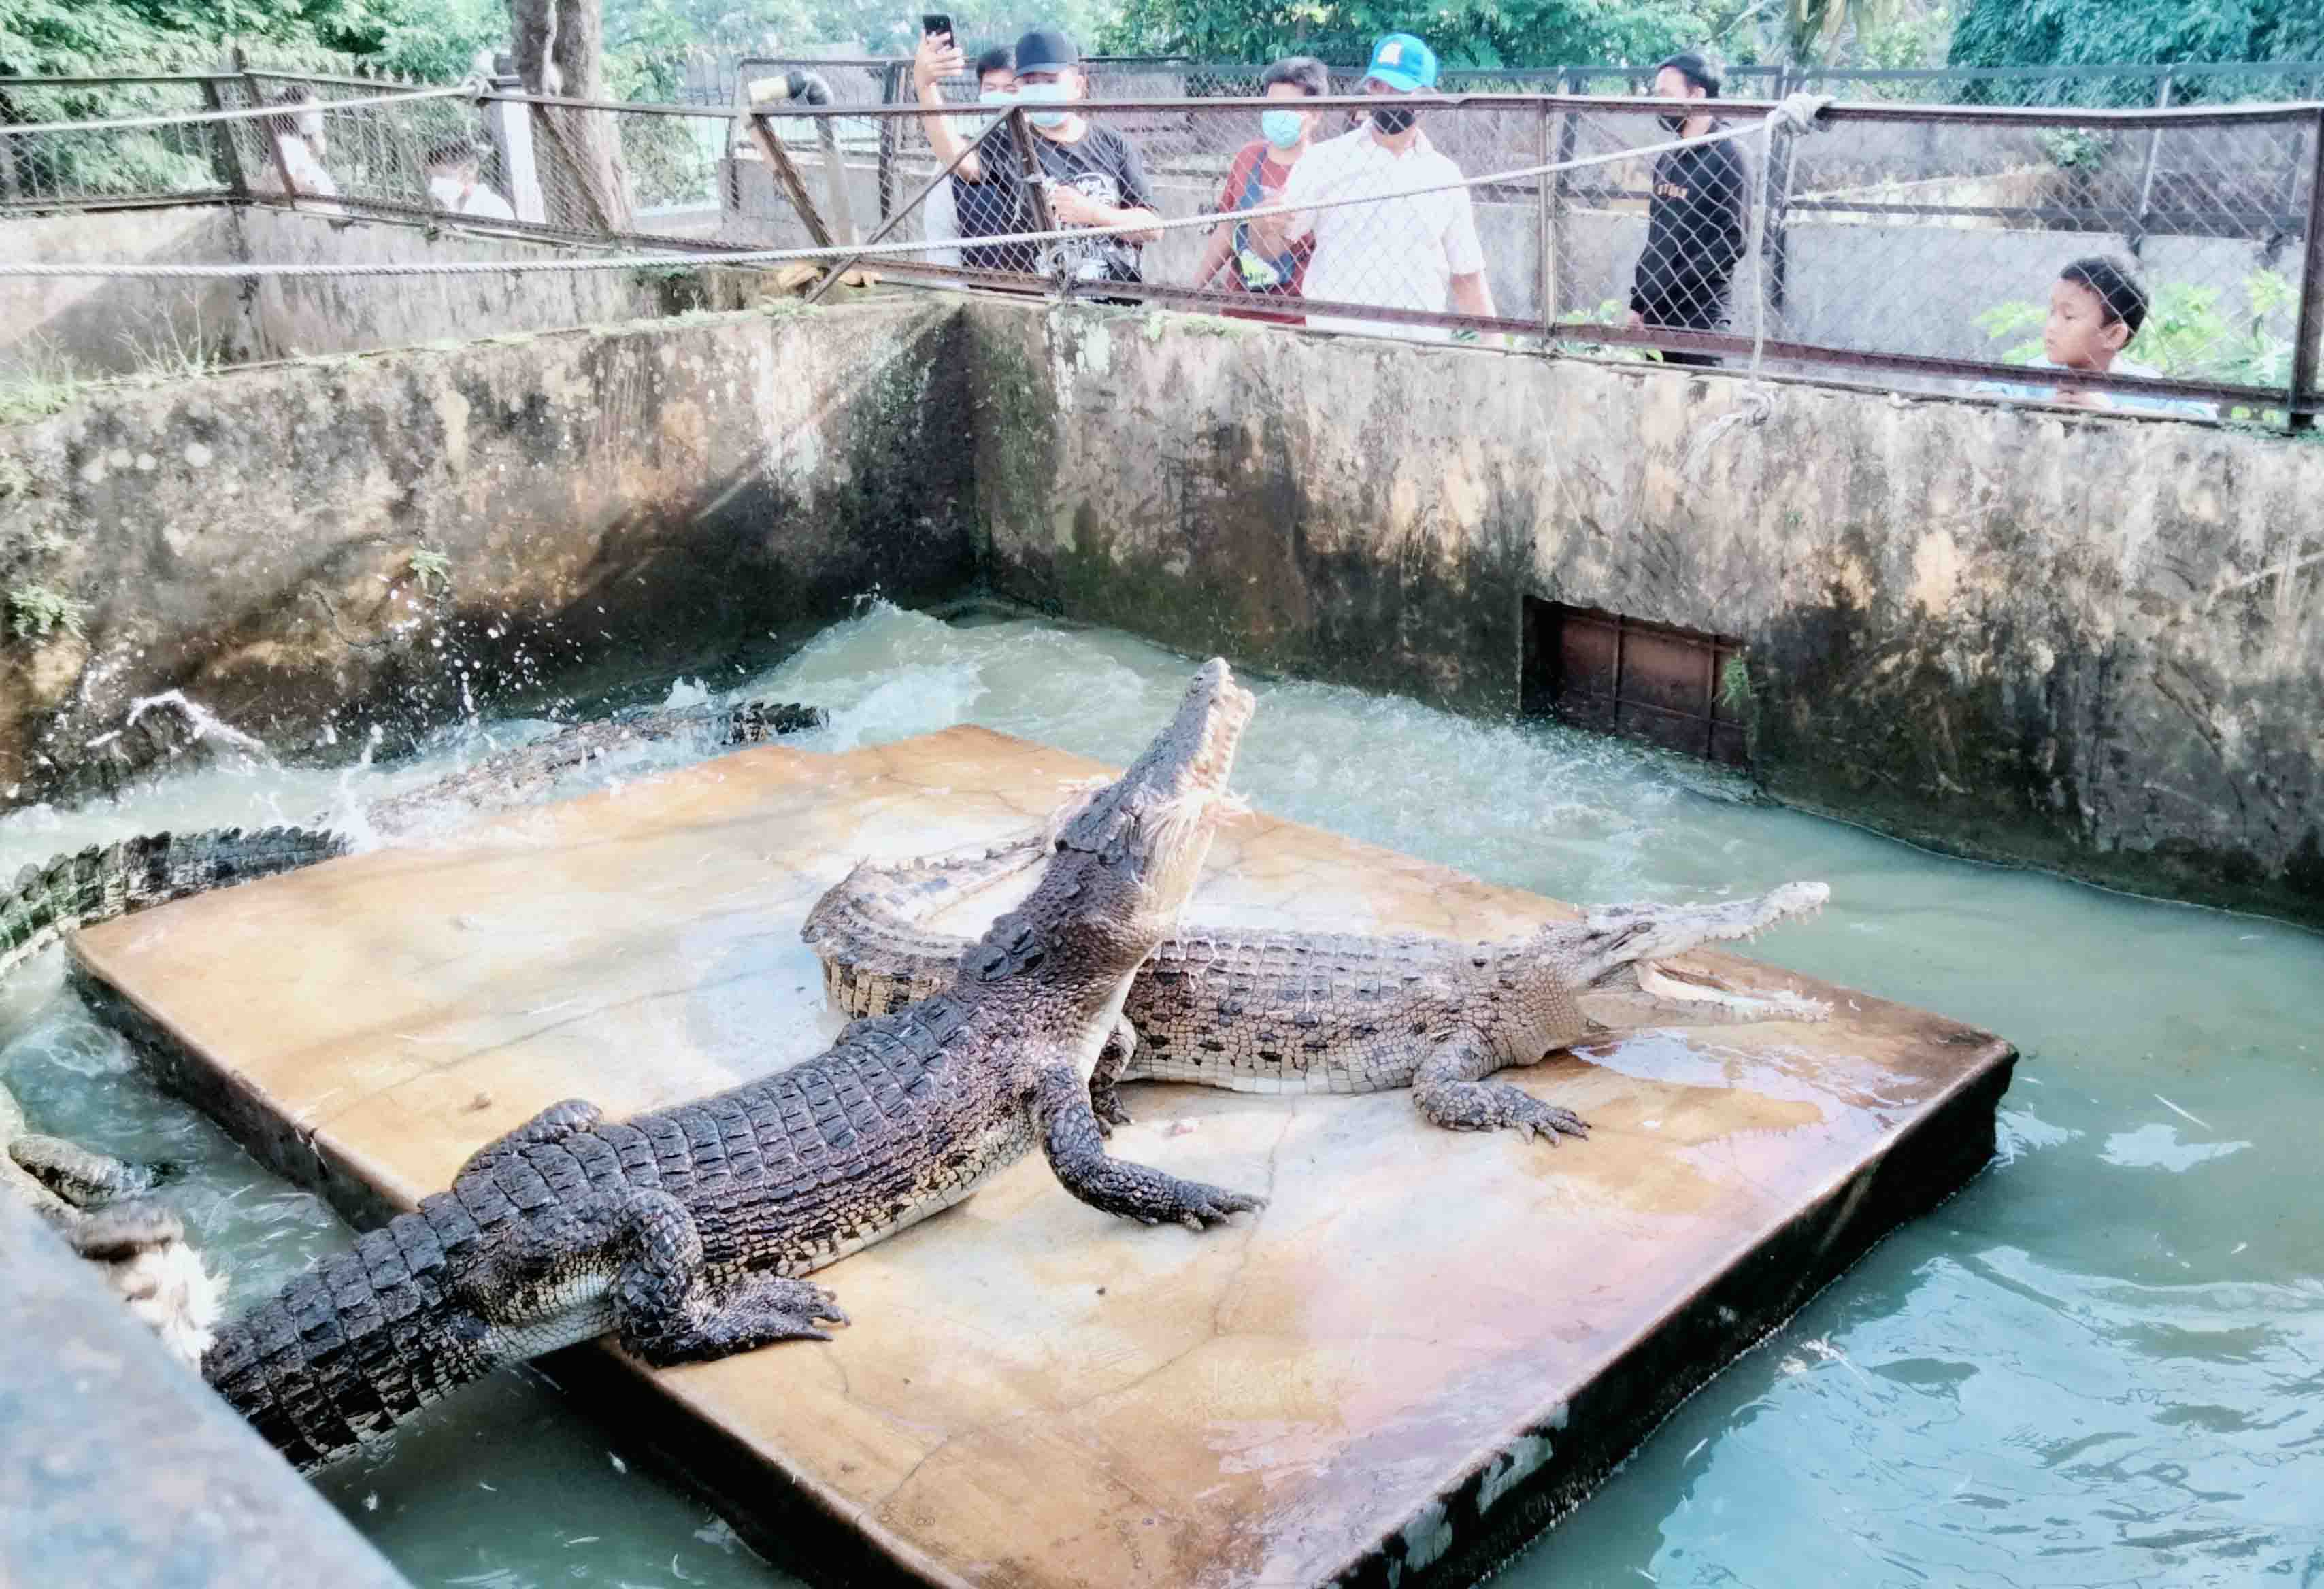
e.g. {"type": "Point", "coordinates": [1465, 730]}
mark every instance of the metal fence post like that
{"type": "Point", "coordinates": [1546, 266]}
{"type": "Point", "coordinates": [511, 128]}
{"type": "Point", "coordinates": [224, 160]}
{"type": "Point", "coordinates": [266, 132]}
{"type": "Point", "coordinates": [2309, 331]}
{"type": "Point", "coordinates": [1569, 137]}
{"type": "Point", "coordinates": [891, 92]}
{"type": "Point", "coordinates": [2146, 171]}
{"type": "Point", "coordinates": [1028, 165]}
{"type": "Point", "coordinates": [1775, 200]}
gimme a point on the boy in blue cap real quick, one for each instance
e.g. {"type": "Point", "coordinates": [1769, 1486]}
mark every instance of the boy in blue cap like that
{"type": "Point", "coordinates": [1408, 248]}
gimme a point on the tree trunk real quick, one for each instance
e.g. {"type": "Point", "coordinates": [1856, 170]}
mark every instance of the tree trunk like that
{"type": "Point", "coordinates": [560, 49]}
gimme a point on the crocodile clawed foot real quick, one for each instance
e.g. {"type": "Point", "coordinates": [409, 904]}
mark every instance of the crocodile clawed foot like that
{"type": "Point", "coordinates": [1106, 1102]}
{"type": "Point", "coordinates": [1200, 1207]}
{"type": "Point", "coordinates": [1532, 1118]}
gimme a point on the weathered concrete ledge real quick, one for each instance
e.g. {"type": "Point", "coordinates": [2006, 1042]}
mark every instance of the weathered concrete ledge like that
{"type": "Point", "coordinates": [2092, 643]}
{"type": "Point", "coordinates": [311, 549]}
{"type": "Point", "coordinates": [117, 1465]}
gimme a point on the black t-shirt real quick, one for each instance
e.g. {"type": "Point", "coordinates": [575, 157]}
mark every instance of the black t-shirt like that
{"type": "Point", "coordinates": [1100, 164]}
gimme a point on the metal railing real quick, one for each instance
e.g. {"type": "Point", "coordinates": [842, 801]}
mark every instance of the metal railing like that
{"type": "Point", "coordinates": [1916, 245]}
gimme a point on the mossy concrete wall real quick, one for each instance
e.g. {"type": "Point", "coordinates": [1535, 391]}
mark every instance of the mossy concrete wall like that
{"type": "Point", "coordinates": [310, 549]}
{"type": "Point", "coordinates": [2090, 642]}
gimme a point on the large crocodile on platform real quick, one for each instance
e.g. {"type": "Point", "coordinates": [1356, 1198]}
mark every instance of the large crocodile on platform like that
{"type": "Point", "coordinates": [684, 1233]}
{"type": "Point", "coordinates": [1278, 1011]}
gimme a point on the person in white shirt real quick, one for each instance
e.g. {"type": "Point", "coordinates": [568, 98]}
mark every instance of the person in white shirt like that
{"type": "Point", "coordinates": [1408, 249]}
{"type": "Point", "coordinates": [996, 85]}
{"type": "Point", "coordinates": [456, 183]}
{"type": "Point", "coordinates": [296, 132]}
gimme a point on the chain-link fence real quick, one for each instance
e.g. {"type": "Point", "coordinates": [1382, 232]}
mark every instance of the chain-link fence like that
{"type": "Point", "coordinates": [48, 161]}
{"type": "Point", "coordinates": [2167, 256]}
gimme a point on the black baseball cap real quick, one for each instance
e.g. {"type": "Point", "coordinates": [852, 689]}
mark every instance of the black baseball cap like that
{"type": "Point", "coordinates": [1047, 49]}
{"type": "Point", "coordinates": [1694, 70]}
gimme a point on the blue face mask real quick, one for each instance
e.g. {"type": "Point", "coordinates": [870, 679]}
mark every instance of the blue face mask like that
{"type": "Point", "coordinates": [1283, 127]}
{"type": "Point", "coordinates": [1044, 94]}
{"type": "Point", "coordinates": [996, 95]}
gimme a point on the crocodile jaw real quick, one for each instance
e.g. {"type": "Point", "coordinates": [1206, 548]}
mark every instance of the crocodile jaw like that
{"type": "Point", "coordinates": [1619, 959]}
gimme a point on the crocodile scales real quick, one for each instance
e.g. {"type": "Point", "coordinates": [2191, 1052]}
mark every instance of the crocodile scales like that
{"type": "Point", "coordinates": [683, 1231]}
{"type": "Point", "coordinates": [1283, 1012]}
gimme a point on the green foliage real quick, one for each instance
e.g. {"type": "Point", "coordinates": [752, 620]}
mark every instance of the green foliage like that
{"type": "Point", "coordinates": [36, 612]}
{"type": "Point", "coordinates": [27, 394]}
{"type": "Point", "coordinates": [431, 568]}
{"type": "Point", "coordinates": [1473, 33]}
{"type": "Point", "coordinates": [2094, 32]}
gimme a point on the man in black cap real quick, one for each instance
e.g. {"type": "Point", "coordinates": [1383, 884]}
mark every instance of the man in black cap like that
{"type": "Point", "coordinates": [1694, 221]}
{"type": "Point", "coordinates": [1091, 175]}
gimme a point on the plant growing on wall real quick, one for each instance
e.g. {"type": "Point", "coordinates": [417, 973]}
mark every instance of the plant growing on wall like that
{"type": "Point", "coordinates": [36, 612]}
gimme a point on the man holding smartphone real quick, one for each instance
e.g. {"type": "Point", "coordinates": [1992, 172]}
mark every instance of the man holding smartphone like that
{"type": "Point", "coordinates": [1091, 175]}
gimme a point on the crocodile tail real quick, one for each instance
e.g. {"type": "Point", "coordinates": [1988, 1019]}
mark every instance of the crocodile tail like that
{"type": "Point", "coordinates": [355, 1346]}
{"type": "Point", "coordinates": [869, 930]}
{"type": "Point", "coordinates": [108, 880]}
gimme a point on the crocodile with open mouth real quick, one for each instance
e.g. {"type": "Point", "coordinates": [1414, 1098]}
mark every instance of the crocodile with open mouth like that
{"type": "Point", "coordinates": [685, 1232]}
{"type": "Point", "coordinates": [1275, 1012]}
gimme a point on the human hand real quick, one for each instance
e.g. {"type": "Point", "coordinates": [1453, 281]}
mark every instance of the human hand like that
{"type": "Point", "coordinates": [1635, 320]}
{"type": "Point", "coordinates": [2080, 397]}
{"type": "Point", "coordinates": [1073, 207]}
{"type": "Point", "coordinates": [937, 58]}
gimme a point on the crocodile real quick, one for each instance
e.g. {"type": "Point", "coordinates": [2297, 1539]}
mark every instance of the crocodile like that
{"type": "Point", "coordinates": [102, 881]}
{"type": "Point", "coordinates": [95, 1202]}
{"type": "Point", "coordinates": [1277, 1012]}
{"type": "Point", "coordinates": [685, 1232]}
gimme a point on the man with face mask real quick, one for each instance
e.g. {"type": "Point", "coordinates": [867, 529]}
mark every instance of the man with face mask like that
{"type": "Point", "coordinates": [1695, 220]}
{"type": "Point", "coordinates": [1091, 175]}
{"type": "Point", "coordinates": [1407, 248]}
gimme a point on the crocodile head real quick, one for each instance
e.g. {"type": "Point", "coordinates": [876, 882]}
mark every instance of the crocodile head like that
{"type": "Point", "coordinates": [1615, 958]}
{"type": "Point", "coordinates": [1124, 858]}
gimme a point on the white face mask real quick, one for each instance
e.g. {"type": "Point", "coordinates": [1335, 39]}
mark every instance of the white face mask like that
{"type": "Point", "coordinates": [996, 95]}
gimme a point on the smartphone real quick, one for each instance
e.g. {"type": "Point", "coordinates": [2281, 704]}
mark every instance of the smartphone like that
{"type": "Point", "coordinates": [936, 21]}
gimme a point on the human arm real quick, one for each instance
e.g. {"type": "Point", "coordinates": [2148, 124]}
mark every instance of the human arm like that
{"type": "Point", "coordinates": [1465, 259]}
{"type": "Point", "coordinates": [1138, 210]}
{"type": "Point", "coordinates": [1222, 238]}
{"type": "Point", "coordinates": [937, 59]}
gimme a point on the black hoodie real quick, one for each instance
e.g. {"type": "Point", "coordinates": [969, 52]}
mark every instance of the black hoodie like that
{"type": "Point", "coordinates": [1694, 235]}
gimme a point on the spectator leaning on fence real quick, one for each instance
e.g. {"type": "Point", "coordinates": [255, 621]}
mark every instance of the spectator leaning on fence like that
{"type": "Point", "coordinates": [1091, 175]}
{"type": "Point", "coordinates": [1257, 178]}
{"type": "Point", "coordinates": [456, 183]}
{"type": "Point", "coordinates": [1695, 220]}
{"type": "Point", "coordinates": [2095, 306]}
{"type": "Point", "coordinates": [295, 133]}
{"type": "Point", "coordinates": [996, 85]}
{"type": "Point", "coordinates": [1404, 248]}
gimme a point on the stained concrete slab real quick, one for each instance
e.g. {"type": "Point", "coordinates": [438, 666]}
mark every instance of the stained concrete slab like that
{"type": "Point", "coordinates": [1429, 1344]}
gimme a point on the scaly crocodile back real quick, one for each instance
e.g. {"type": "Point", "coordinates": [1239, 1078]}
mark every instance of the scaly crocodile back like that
{"type": "Point", "coordinates": [108, 880]}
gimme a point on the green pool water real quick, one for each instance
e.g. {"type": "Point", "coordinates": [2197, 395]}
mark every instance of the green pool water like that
{"type": "Point", "coordinates": [2101, 1364]}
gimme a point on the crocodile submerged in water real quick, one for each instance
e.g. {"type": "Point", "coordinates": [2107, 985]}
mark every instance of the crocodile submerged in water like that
{"type": "Point", "coordinates": [104, 881]}
{"type": "Point", "coordinates": [1275, 1012]}
{"type": "Point", "coordinates": [94, 1201]}
{"type": "Point", "coordinates": [684, 1233]}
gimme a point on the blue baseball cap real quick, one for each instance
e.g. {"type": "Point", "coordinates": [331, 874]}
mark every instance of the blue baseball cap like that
{"type": "Point", "coordinates": [1403, 64]}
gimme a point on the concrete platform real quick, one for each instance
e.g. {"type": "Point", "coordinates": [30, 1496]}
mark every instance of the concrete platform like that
{"type": "Point", "coordinates": [1428, 1345]}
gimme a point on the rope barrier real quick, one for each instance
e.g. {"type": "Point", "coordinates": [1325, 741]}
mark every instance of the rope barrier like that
{"type": "Point", "coordinates": [470, 88]}
{"type": "Point", "coordinates": [1789, 114]}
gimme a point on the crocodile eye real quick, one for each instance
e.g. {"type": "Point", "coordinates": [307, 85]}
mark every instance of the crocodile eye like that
{"type": "Point", "coordinates": [1061, 843]}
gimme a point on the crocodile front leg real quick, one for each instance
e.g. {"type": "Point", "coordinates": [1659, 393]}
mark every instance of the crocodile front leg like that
{"type": "Point", "coordinates": [642, 1248]}
{"type": "Point", "coordinates": [1450, 1092]}
{"type": "Point", "coordinates": [552, 1126]}
{"type": "Point", "coordinates": [1105, 1079]}
{"type": "Point", "coordinates": [1071, 1137]}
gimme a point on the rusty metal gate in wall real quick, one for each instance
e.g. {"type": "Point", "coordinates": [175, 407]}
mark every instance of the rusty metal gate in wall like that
{"type": "Point", "coordinates": [1647, 681]}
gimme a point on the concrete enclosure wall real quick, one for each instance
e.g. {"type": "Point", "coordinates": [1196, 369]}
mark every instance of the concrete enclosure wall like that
{"type": "Point", "coordinates": [311, 549]}
{"type": "Point", "coordinates": [93, 326]}
{"type": "Point", "coordinates": [2091, 642]}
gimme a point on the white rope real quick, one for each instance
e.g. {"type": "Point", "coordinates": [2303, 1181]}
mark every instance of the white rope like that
{"type": "Point", "coordinates": [1796, 113]}
{"type": "Point", "coordinates": [773, 256]}
{"type": "Point", "coordinates": [470, 88]}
